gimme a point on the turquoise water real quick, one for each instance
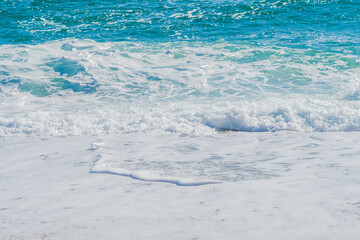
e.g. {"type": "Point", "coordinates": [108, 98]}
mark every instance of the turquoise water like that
{"type": "Point", "coordinates": [194, 67]}
{"type": "Point", "coordinates": [318, 23]}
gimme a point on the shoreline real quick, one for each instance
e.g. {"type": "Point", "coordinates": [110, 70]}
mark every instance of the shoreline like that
{"type": "Point", "coordinates": [47, 192]}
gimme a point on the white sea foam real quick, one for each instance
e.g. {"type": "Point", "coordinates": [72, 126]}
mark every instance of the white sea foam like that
{"type": "Point", "coordinates": [148, 176]}
{"type": "Point", "coordinates": [80, 87]}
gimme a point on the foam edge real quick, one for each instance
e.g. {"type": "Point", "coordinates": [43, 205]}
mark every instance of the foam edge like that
{"type": "Point", "coordinates": [148, 177]}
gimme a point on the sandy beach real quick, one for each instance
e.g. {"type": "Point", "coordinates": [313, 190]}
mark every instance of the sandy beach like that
{"type": "Point", "coordinates": [47, 192]}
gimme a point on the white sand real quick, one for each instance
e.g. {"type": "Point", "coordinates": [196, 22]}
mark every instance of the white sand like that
{"type": "Point", "coordinates": [303, 186]}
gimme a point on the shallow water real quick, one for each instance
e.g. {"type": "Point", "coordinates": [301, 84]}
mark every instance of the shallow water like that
{"type": "Point", "coordinates": [192, 67]}
{"type": "Point", "coordinates": [75, 87]}
{"type": "Point", "coordinates": [186, 68]}
{"type": "Point", "coordinates": [240, 158]}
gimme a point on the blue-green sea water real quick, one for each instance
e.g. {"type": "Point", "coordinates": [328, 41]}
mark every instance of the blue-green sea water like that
{"type": "Point", "coordinates": [302, 23]}
{"type": "Point", "coordinates": [190, 67]}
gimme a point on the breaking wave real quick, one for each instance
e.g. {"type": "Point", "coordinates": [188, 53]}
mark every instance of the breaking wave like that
{"type": "Point", "coordinates": [81, 87]}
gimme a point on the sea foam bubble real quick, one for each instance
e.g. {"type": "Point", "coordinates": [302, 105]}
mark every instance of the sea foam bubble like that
{"type": "Point", "coordinates": [80, 87]}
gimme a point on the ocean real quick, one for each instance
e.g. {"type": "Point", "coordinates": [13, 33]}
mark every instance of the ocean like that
{"type": "Point", "coordinates": [70, 68]}
{"type": "Point", "coordinates": [217, 119]}
{"type": "Point", "coordinates": [185, 69]}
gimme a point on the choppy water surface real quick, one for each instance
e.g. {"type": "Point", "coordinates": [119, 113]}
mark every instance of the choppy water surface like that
{"type": "Point", "coordinates": [190, 67]}
{"type": "Point", "coordinates": [294, 22]}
